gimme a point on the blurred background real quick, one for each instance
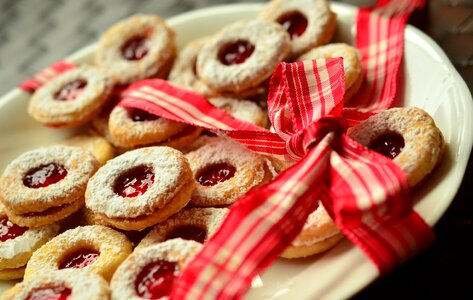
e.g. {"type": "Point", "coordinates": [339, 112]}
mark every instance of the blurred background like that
{"type": "Point", "coordinates": [34, 34]}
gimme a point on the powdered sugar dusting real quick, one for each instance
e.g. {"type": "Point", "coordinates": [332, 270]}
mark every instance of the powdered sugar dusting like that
{"type": "Point", "coordinates": [168, 166]}
{"type": "Point", "coordinates": [175, 250]}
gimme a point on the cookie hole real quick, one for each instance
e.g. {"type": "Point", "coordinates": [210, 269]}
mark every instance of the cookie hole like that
{"type": "Point", "coordinates": [215, 173]}
{"type": "Point", "coordinates": [295, 23]}
{"type": "Point", "coordinates": [71, 90]}
{"type": "Point", "coordinates": [389, 144]}
{"type": "Point", "coordinates": [139, 115]}
{"type": "Point", "coordinates": [9, 231]}
{"type": "Point", "coordinates": [135, 48]}
{"type": "Point", "coordinates": [50, 292]}
{"type": "Point", "coordinates": [155, 279]}
{"type": "Point", "coordinates": [188, 232]}
{"type": "Point", "coordinates": [44, 175]}
{"type": "Point", "coordinates": [235, 53]}
{"type": "Point", "coordinates": [79, 259]}
{"type": "Point", "coordinates": [134, 182]}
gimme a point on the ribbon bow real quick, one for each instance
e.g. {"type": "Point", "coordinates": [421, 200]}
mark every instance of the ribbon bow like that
{"type": "Point", "coordinates": [365, 192]}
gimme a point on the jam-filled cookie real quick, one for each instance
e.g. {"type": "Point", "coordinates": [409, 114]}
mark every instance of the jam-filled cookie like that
{"type": "Point", "coordinates": [45, 185]}
{"type": "Point", "coordinates": [149, 272]}
{"type": "Point", "coordinates": [97, 145]}
{"type": "Point", "coordinates": [72, 98]}
{"type": "Point", "coordinates": [130, 127]}
{"type": "Point", "coordinates": [197, 224]}
{"type": "Point", "coordinates": [60, 285]}
{"type": "Point", "coordinates": [310, 23]}
{"type": "Point", "coordinates": [318, 234]}
{"type": "Point", "coordinates": [407, 135]}
{"type": "Point", "coordinates": [95, 248]}
{"type": "Point", "coordinates": [17, 244]}
{"type": "Point", "coordinates": [140, 188]}
{"type": "Point", "coordinates": [242, 109]}
{"type": "Point", "coordinates": [242, 56]}
{"type": "Point", "coordinates": [225, 170]}
{"type": "Point", "coordinates": [139, 47]}
{"type": "Point", "coordinates": [351, 64]}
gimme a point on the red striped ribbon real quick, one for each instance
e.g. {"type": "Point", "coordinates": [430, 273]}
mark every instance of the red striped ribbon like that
{"type": "Point", "coordinates": [38, 80]}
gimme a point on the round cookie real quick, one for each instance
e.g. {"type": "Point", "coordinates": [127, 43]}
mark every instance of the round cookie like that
{"type": "Point", "coordinates": [138, 47]}
{"type": "Point", "coordinates": [310, 23]}
{"type": "Point", "coordinates": [72, 98]}
{"type": "Point", "coordinates": [47, 183]}
{"type": "Point", "coordinates": [95, 248]}
{"type": "Point", "coordinates": [241, 56]}
{"type": "Point", "coordinates": [150, 271]}
{"type": "Point", "coordinates": [225, 170]}
{"type": "Point", "coordinates": [242, 109]}
{"type": "Point", "coordinates": [140, 188]}
{"type": "Point", "coordinates": [408, 135]}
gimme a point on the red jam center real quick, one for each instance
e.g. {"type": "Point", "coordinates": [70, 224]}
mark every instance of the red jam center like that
{"type": "Point", "coordinates": [44, 175]}
{"type": "Point", "coordinates": [155, 280]}
{"type": "Point", "coordinates": [79, 259]}
{"type": "Point", "coordinates": [134, 182]}
{"type": "Point", "coordinates": [388, 144]}
{"type": "Point", "coordinates": [9, 231]}
{"type": "Point", "coordinates": [71, 90]}
{"type": "Point", "coordinates": [188, 232]}
{"type": "Point", "coordinates": [236, 53]}
{"type": "Point", "coordinates": [138, 115]}
{"type": "Point", "coordinates": [50, 293]}
{"type": "Point", "coordinates": [216, 173]}
{"type": "Point", "coordinates": [295, 24]}
{"type": "Point", "coordinates": [135, 49]}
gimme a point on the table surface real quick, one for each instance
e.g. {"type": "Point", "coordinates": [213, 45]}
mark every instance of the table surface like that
{"type": "Point", "coordinates": [34, 34]}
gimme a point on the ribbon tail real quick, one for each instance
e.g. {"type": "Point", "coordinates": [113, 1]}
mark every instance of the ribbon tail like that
{"type": "Point", "coordinates": [258, 228]}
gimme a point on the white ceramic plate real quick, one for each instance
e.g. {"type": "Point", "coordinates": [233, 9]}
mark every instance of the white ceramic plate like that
{"type": "Point", "coordinates": [429, 81]}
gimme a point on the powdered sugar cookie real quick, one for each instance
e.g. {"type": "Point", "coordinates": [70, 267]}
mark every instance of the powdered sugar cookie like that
{"type": "Point", "coordinates": [139, 47]}
{"type": "Point", "coordinates": [130, 127]}
{"type": "Point", "coordinates": [242, 55]}
{"type": "Point", "coordinates": [225, 170]}
{"type": "Point", "coordinates": [408, 135]}
{"type": "Point", "coordinates": [70, 99]}
{"type": "Point", "coordinates": [97, 249]}
{"type": "Point", "coordinates": [197, 224]}
{"type": "Point", "coordinates": [149, 272]}
{"type": "Point", "coordinates": [47, 183]}
{"type": "Point", "coordinates": [61, 285]}
{"type": "Point", "coordinates": [140, 188]}
{"type": "Point", "coordinates": [18, 243]}
{"type": "Point", "coordinates": [310, 23]}
{"type": "Point", "coordinates": [318, 235]}
{"type": "Point", "coordinates": [351, 64]}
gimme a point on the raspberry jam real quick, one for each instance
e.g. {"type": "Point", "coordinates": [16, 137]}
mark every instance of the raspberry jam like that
{"type": "Point", "coordinates": [138, 115]}
{"type": "Point", "coordinates": [135, 48]}
{"type": "Point", "coordinates": [188, 232]}
{"type": "Point", "coordinates": [79, 259]}
{"type": "Point", "coordinates": [71, 90]}
{"type": "Point", "coordinates": [216, 173]}
{"type": "Point", "coordinates": [388, 144]}
{"type": "Point", "coordinates": [134, 182]}
{"type": "Point", "coordinates": [44, 175]}
{"type": "Point", "coordinates": [236, 53]}
{"type": "Point", "coordinates": [50, 293]}
{"type": "Point", "coordinates": [9, 231]}
{"type": "Point", "coordinates": [155, 280]}
{"type": "Point", "coordinates": [294, 23]}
